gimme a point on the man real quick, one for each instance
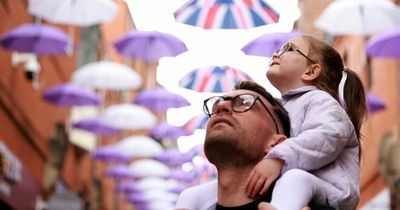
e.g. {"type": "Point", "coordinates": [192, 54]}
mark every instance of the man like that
{"type": "Point", "coordinates": [243, 126]}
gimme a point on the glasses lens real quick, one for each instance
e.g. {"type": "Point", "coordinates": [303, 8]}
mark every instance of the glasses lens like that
{"type": "Point", "coordinates": [242, 103]}
{"type": "Point", "coordinates": [283, 49]}
{"type": "Point", "coordinates": [211, 104]}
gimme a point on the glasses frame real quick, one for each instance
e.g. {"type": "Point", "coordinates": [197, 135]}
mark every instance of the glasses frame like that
{"type": "Point", "coordinates": [231, 99]}
{"type": "Point", "coordinates": [286, 48]}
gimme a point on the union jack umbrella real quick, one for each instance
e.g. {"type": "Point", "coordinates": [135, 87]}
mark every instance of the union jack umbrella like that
{"type": "Point", "coordinates": [215, 79]}
{"type": "Point", "coordinates": [196, 122]}
{"type": "Point", "coordinates": [226, 14]}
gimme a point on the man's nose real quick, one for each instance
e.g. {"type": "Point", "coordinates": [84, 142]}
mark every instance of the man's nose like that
{"type": "Point", "coordinates": [223, 106]}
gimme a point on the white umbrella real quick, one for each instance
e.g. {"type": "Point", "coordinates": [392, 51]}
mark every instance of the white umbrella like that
{"type": "Point", "coordinates": [107, 75]}
{"type": "Point", "coordinates": [74, 12]}
{"type": "Point", "coordinates": [149, 168]}
{"type": "Point", "coordinates": [139, 146]}
{"type": "Point", "coordinates": [129, 116]}
{"type": "Point", "coordinates": [154, 183]}
{"type": "Point", "coordinates": [361, 17]}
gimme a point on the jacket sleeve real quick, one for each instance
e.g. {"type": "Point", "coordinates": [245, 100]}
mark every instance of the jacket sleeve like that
{"type": "Point", "coordinates": [322, 136]}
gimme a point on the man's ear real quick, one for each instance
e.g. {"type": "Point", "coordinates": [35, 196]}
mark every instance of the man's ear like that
{"type": "Point", "coordinates": [311, 73]}
{"type": "Point", "coordinates": [276, 139]}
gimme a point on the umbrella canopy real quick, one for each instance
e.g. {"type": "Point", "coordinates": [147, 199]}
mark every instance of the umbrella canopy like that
{"type": "Point", "coordinates": [153, 195]}
{"type": "Point", "coordinates": [160, 99]}
{"type": "Point", "coordinates": [217, 79]}
{"type": "Point", "coordinates": [361, 17]}
{"type": "Point", "coordinates": [385, 44]}
{"type": "Point", "coordinates": [374, 103]}
{"type": "Point", "coordinates": [74, 12]}
{"type": "Point", "coordinates": [196, 122]}
{"type": "Point", "coordinates": [108, 153]}
{"type": "Point", "coordinates": [71, 95]}
{"type": "Point", "coordinates": [266, 44]}
{"type": "Point", "coordinates": [97, 126]}
{"type": "Point", "coordinates": [149, 168]}
{"type": "Point", "coordinates": [35, 38]}
{"type": "Point", "coordinates": [149, 45]}
{"type": "Point", "coordinates": [129, 116]}
{"type": "Point", "coordinates": [107, 75]}
{"type": "Point", "coordinates": [173, 157]}
{"type": "Point", "coordinates": [163, 130]}
{"type": "Point", "coordinates": [226, 14]}
{"type": "Point", "coordinates": [181, 175]}
{"type": "Point", "coordinates": [119, 172]}
{"type": "Point", "coordinates": [139, 147]}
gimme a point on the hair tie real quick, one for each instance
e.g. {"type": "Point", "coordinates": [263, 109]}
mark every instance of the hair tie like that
{"type": "Point", "coordinates": [341, 88]}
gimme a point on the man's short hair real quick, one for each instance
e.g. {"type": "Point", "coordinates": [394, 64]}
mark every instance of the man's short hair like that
{"type": "Point", "coordinates": [279, 110]}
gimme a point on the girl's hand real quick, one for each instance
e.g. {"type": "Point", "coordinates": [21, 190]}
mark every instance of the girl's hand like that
{"type": "Point", "coordinates": [262, 175]}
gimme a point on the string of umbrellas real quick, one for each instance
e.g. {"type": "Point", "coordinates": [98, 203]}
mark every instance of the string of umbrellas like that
{"type": "Point", "coordinates": [141, 161]}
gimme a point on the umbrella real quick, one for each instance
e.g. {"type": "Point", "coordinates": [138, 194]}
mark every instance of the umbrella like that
{"type": "Point", "coordinates": [374, 103]}
{"type": "Point", "coordinates": [36, 38]}
{"type": "Point", "coordinates": [149, 45]}
{"type": "Point", "coordinates": [164, 130]}
{"type": "Point", "coordinates": [266, 44]}
{"type": "Point", "coordinates": [107, 75]}
{"type": "Point", "coordinates": [362, 17]}
{"type": "Point", "coordinates": [173, 157]}
{"type": "Point", "coordinates": [385, 44]}
{"type": "Point", "coordinates": [149, 168]}
{"type": "Point", "coordinates": [226, 14]}
{"type": "Point", "coordinates": [152, 195]}
{"type": "Point", "coordinates": [181, 175]}
{"type": "Point", "coordinates": [74, 12]}
{"type": "Point", "coordinates": [160, 99]}
{"type": "Point", "coordinates": [128, 187]}
{"type": "Point", "coordinates": [139, 146]}
{"type": "Point", "coordinates": [71, 95]}
{"type": "Point", "coordinates": [196, 122]}
{"type": "Point", "coordinates": [154, 182]}
{"type": "Point", "coordinates": [96, 125]}
{"type": "Point", "coordinates": [129, 116]}
{"type": "Point", "coordinates": [109, 153]}
{"type": "Point", "coordinates": [218, 79]}
{"type": "Point", "coordinates": [119, 172]}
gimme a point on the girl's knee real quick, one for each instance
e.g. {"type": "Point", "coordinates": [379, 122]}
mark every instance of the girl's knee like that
{"type": "Point", "coordinates": [296, 175]}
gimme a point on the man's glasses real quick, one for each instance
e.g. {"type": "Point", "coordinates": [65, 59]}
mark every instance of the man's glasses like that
{"type": "Point", "coordinates": [239, 103]}
{"type": "Point", "coordinates": [289, 48]}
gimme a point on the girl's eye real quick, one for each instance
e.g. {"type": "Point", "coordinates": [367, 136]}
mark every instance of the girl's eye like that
{"type": "Point", "coordinates": [290, 49]}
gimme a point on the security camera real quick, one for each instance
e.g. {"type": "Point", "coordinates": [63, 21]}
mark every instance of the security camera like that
{"type": "Point", "coordinates": [32, 68]}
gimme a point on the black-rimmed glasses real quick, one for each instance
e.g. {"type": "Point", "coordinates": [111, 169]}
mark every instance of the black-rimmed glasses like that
{"type": "Point", "coordinates": [288, 47]}
{"type": "Point", "coordinates": [239, 103]}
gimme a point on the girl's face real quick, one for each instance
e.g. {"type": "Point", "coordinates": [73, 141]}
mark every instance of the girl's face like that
{"type": "Point", "coordinates": [288, 64]}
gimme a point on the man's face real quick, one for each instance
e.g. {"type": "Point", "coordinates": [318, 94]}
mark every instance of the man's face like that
{"type": "Point", "coordinates": [238, 139]}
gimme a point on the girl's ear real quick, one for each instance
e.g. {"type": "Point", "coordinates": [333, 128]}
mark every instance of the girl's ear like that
{"type": "Point", "coordinates": [311, 73]}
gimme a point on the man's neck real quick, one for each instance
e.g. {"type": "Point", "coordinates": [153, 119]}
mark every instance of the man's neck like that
{"type": "Point", "coordinates": [231, 187]}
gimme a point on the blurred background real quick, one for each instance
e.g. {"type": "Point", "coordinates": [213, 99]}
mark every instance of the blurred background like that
{"type": "Point", "coordinates": [101, 100]}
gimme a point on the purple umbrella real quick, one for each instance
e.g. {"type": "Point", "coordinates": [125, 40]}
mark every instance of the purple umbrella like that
{"type": "Point", "coordinates": [71, 95]}
{"type": "Point", "coordinates": [217, 79]}
{"type": "Point", "coordinates": [266, 44]}
{"type": "Point", "coordinates": [164, 130]}
{"type": "Point", "coordinates": [149, 45]}
{"type": "Point", "coordinates": [128, 187]}
{"type": "Point", "coordinates": [36, 38]}
{"type": "Point", "coordinates": [374, 103]}
{"type": "Point", "coordinates": [160, 99]}
{"type": "Point", "coordinates": [385, 44]}
{"type": "Point", "coordinates": [173, 157]}
{"type": "Point", "coordinates": [181, 175]}
{"type": "Point", "coordinates": [110, 154]}
{"type": "Point", "coordinates": [97, 126]}
{"type": "Point", "coordinates": [120, 172]}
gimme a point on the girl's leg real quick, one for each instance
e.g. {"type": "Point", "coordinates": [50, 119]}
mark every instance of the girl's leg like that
{"type": "Point", "coordinates": [295, 189]}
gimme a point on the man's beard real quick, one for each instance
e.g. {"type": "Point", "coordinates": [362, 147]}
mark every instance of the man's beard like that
{"type": "Point", "coordinates": [229, 152]}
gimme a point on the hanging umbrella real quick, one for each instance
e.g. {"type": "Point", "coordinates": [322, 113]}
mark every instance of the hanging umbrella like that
{"type": "Point", "coordinates": [181, 175]}
{"type": "Point", "coordinates": [139, 147]}
{"type": "Point", "coordinates": [119, 172]}
{"type": "Point", "coordinates": [385, 44]}
{"type": "Point", "coordinates": [149, 168]}
{"type": "Point", "coordinates": [71, 95]}
{"type": "Point", "coordinates": [129, 116]}
{"type": "Point", "coordinates": [110, 154]}
{"type": "Point", "coordinates": [152, 195]}
{"type": "Point", "coordinates": [173, 157]}
{"type": "Point", "coordinates": [266, 44]}
{"type": "Point", "coordinates": [149, 45]}
{"type": "Point", "coordinates": [97, 126]}
{"type": "Point", "coordinates": [107, 75]}
{"type": "Point", "coordinates": [374, 103]}
{"type": "Point", "coordinates": [226, 14]}
{"type": "Point", "coordinates": [154, 182]}
{"type": "Point", "coordinates": [362, 17]}
{"type": "Point", "coordinates": [217, 79]}
{"type": "Point", "coordinates": [35, 38]}
{"type": "Point", "coordinates": [164, 130]}
{"type": "Point", "coordinates": [196, 122]}
{"type": "Point", "coordinates": [159, 99]}
{"type": "Point", "coordinates": [128, 187]}
{"type": "Point", "coordinates": [74, 12]}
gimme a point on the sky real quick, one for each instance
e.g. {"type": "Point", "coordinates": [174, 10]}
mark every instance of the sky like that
{"type": "Point", "coordinates": [205, 48]}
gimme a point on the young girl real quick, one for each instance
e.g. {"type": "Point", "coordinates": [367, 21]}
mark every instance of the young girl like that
{"type": "Point", "coordinates": [326, 105]}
